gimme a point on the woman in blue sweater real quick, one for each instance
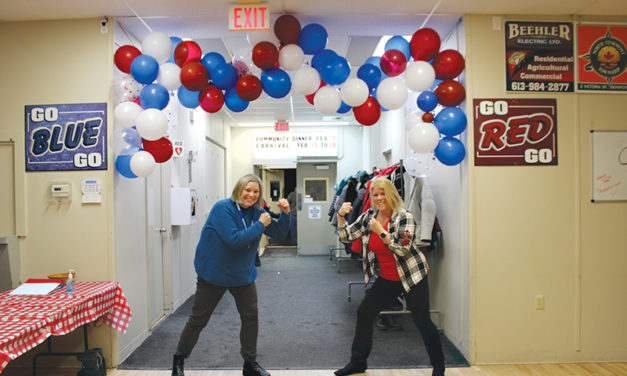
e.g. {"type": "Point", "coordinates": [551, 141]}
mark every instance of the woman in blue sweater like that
{"type": "Point", "coordinates": [225, 260]}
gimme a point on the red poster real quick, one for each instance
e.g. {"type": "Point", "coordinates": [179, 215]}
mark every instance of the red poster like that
{"type": "Point", "coordinates": [602, 58]}
{"type": "Point", "coordinates": [515, 132]}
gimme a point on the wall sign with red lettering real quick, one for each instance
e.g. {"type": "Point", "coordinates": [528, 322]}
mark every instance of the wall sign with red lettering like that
{"type": "Point", "coordinates": [515, 132]}
{"type": "Point", "coordinates": [249, 17]}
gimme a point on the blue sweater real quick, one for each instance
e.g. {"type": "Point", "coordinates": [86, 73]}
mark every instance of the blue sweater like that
{"type": "Point", "coordinates": [225, 254]}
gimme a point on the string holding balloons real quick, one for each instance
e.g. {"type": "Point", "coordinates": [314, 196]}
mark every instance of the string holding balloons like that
{"type": "Point", "coordinates": [210, 81]}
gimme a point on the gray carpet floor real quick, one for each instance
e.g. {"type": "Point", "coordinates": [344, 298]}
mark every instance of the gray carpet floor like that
{"type": "Point", "coordinates": [306, 322]}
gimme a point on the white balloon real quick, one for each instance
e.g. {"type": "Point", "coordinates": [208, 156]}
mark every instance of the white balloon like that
{"type": "Point", "coordinates": [157, 45]}
{"type": "Point", "coordinates": [291, 57]}
{"type": "Point", "coordinates": [392, 93]}
{"type": "Point", "coordinates": [306, 80]}
{"type": "Point", "coordinates": [125, 88]}
{"type": "Point", "coordinates": [354, 92]}
{"type": "Point", "coordinates": [169, 76]}
{"type": "Point", "coordinates": [411, 120]}
{"type": "Point", "coordinates": [126, 113]}
{"type": "Point", "coordinates": [243, 62]}
{"type": "Point", "coordinates": [142, 163]}
{"type": "Point", "coordinates": [423, 138]}
{"type": "Point", "coordinates": [419, 76]}
{"type": "Point", "coordinates": [257, 36]}
{"type": "Point", "coordinates": [152, 124]}
{"type": "Point", "coordinates": [327, 100]}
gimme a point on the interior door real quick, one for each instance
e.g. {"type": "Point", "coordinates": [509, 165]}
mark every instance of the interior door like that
{"type": "Point", "coordinates": [155, 233]}
{"type": "Point", "coordinates": [315, 183]}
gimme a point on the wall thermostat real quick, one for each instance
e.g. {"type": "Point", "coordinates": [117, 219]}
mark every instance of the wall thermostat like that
{"type": "Point", "coordinates": [60, 192]}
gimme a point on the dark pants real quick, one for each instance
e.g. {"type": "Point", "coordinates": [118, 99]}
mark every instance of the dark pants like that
{"type": "Point", "coordinates": [205, 301]}
{"type": "Point", "coordinates": [380, 296]}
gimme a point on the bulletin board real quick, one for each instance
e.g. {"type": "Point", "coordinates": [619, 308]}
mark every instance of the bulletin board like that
{"type": "Point", "coordinates": [609, 165]}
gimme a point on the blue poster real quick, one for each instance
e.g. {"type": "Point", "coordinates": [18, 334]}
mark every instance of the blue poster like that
{"type": "Point", "coordinates": [64, 137]}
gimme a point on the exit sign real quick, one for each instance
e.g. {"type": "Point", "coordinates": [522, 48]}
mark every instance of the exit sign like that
{"type": "Point", "coordinates": [249, 17]}
{"type": "Point", "coordinates": [281, 126]}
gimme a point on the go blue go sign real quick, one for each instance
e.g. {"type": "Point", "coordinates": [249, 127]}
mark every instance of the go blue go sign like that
{"type": "Point", "coordinates": [66, 137]}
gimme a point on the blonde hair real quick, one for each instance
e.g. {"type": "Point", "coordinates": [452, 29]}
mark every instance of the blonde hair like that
{"type": "Point", "coordinates": [391, 194]}
{"type": "Point", "coordinates": [241, 184]}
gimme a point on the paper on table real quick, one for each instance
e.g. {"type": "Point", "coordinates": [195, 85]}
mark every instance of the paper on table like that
{"type": "Point", "coordinates": [35, 288]}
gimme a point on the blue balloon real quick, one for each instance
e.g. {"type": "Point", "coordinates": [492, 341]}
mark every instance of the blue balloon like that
{"type": "Point", "coordinates": [187, 97]}
{"type": "Point", "coordinates": [397, 42]}
{"type": "Point", "coordinates": [320, 58]}
{"type": "Point", "coordinates": [450, 151]}
{"type": "Point", "coordinates": [276, 82]}
{"type": "Point", "coordinates": [154, 96]}
{"type": "Point", "coordinates": [427, 101]}
{"type": "Point", "coordinates": [370, 74]}
{"type": "Point", "coordinates": [451, 121]}
{"type": "Point", "coordinates": [123, 165]}
{"type": "Point", "coordinates": [344, 108]}
{"type": "Point", "coordinates": [313, 38]}
{"type": "Point", "coordinates": [376, 61]}
{"type": "Point", "coordinates": [224, 76]}
{"type": "Point", "coordinates": [234, 102]}
{"type": "Point", "coordinates": [144, 69]}
{"type": "Point", "coordinates": [211, 60]}
{"type": "Point", "coordinates": [335, 71]}
{"type": "Point", "coordinates": [175, 42]}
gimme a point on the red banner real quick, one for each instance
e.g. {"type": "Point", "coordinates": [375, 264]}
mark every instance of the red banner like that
{"type": "Point", "coordinates": [515, 132]}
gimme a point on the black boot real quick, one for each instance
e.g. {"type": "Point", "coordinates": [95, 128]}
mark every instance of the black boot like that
{"type": "Point", "coordinates": [177, 365]}
{"type": "Point", "coordinates": [438, 371]}
{"type": "Point", "coordinates": [252, 368]}
{"type": "Point", "coordinates": [351, 368]}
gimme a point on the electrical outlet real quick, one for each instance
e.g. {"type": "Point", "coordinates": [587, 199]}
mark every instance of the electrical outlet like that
{"type": "Point", "coordinates": [539, 302]}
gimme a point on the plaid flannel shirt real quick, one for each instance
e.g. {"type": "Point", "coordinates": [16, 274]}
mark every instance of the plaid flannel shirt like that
{"type": "Point", "coordinates": [411, 264]}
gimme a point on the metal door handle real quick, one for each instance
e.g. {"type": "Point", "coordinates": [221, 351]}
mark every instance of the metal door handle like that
{"type": "Point", "coordinates": [161, 229]}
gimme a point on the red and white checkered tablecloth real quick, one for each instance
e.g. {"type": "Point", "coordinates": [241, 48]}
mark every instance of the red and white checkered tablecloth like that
{"type": "Point", "coordinates": [27, 320]}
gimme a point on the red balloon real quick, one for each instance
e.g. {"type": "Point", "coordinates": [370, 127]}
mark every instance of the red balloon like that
{"type": "Point", "coordinates": [265, 55]}
{"type": "Point", "coordinates": [187, 51]}
{"type": "Point", "coordinates": [248, 87]}
{"type": "Point", "coordinates": [448, 64]}
{"type": "Point", "coordinates": [194, 76]}
{"type": "Point", "coordinates": [287, 29]}
{"type": "Point", "coordinates": [311, 96]}
{"type": "Point", "coordinates": [393, 62]}
{"type": "Point", "coordinates": [427, 117]}
{"type": "Point", "coordinates": [211, 99]}
{"type": "Point", "coordinates": [450, 93]}
{"type": "Point", "coordinates": [160, 149]}
{"type": "Point", "coordinates": [424, 44]}
{"type": "Point", "coordinates": [124, 57]}
{"type": "Point", "coordinates": [368, 113]}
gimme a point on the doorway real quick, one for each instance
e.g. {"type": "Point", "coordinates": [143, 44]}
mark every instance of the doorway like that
{"type": "Point", "coordinates": [315, 182]}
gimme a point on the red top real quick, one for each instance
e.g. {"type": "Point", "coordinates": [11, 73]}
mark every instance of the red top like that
{"type": "Point", "coordinates": [387, 262]}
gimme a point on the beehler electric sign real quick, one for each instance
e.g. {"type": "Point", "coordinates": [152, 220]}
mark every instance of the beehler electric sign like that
{"type": "Point", "coordinates": [63, 137]}
{"type": "Point", "coordinates": [515, 132]}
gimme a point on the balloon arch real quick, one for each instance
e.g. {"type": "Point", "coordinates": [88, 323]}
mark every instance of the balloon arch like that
{"type": "Point", "coordinates": [166, 64]}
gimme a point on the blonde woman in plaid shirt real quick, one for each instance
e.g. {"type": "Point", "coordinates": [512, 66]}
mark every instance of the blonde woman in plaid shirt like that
{"type": "Point", "coordinates": [387, 234]}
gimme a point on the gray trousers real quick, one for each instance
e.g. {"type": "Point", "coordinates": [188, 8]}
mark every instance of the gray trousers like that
{"type": "Point", "coordinates": [205, 301]}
